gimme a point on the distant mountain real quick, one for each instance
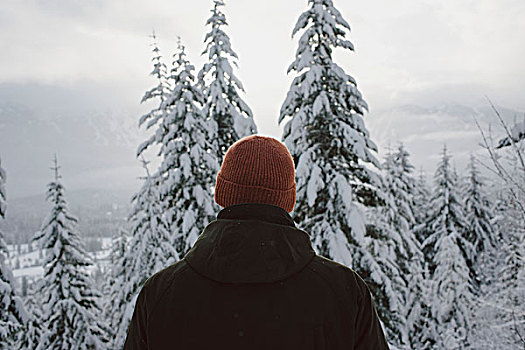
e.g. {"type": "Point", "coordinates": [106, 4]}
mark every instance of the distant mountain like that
{"type": "Point", "coordinates": [95, 150]}
{"type": "Point", "coordinates": [424, 130]}
{"type": "Point", "coordinates": [100, 213]}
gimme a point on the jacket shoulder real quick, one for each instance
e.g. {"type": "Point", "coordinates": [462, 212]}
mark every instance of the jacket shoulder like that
{"type": "Point", "coordinates": [340, 276]}
{"type": "Point", "coordinates": [355, 299]}
{"type": "Point", "coordinates": [159, 283]}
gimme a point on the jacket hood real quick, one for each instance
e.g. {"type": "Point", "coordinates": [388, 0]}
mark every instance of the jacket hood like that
{"type": "Point", "coordinates": [251, 243]}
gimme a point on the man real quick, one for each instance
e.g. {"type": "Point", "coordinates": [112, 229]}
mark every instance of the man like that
{"type": "Point", "coordinates": [252, 279]}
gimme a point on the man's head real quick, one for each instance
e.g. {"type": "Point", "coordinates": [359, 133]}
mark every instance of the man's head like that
{"type": "Point", "coordinates": [257, 169]}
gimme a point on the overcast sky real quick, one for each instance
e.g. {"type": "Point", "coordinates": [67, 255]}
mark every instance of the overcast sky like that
{"type": "Point", "coordinates": [407, 51]}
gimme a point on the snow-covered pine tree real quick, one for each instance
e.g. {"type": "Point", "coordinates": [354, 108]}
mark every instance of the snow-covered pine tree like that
{"type": "Point", "coordinates": [380, 223]}
{"type": "Point", "coordinates": [159, 93]}
{"type": "Point", "coordinates": [478, 215]}
{"type": "Point", "coordinates": [399, 189]}
{"type": "Point", "coordinates": [421, 206]}
{"type": "Point", "coordinates": [334, 154]}
{"type": "Point", "coordinates": [451, 299]}
{"type": "Point", "coordinates": [13, 315]}
{"type": "Point", "coordinates": [445, 211]}
{"type": "Point", "coordinates": [175, 203]}
{"type": "Point", "coordinates": [189, 165]}
{"type": "Point", "coordinates": [327, 136]}
{"type": "Point", "coordinates": [115, 300]}
{"type": "Point", "coordinates": [423, 335]}
{"type": "Point", "coordinates": [33, 329]}
{"type": "Point", "coordinates": [452, 293]}
{"type": "Point", "coordinates": [149, 250]}
{"type": "Point", "coordinates": [71, 304]}
{"type": "Point", "coordinates": [398, 219]}
{"type": "Point", "coordinates": [221, 87]}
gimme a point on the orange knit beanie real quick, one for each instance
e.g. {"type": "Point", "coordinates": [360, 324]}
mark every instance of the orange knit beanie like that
{"type": "Point", "coordinates": [257, 169]}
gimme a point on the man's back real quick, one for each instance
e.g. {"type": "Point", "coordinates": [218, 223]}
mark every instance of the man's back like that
{"type": "Point", "coordinates": [252, 281]}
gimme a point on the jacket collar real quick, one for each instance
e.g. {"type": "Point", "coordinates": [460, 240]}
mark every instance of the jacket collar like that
{"type": "Point", "coordinates": [257, 211]}
{"type": "Point", "coordinates": [250, 243]}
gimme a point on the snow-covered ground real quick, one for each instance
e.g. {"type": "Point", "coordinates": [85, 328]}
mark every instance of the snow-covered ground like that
{"type": "Point", "coordinates": [26, 260]}
{"type": "Point", "coordinates": [30, 272]}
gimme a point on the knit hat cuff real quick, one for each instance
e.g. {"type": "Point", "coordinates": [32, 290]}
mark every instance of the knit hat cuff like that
{"type": "Point", "coordinates": [229, 193]}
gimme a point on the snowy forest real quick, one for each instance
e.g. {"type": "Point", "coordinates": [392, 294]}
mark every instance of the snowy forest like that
{"type": "Point", "coordinates": [442, 252]}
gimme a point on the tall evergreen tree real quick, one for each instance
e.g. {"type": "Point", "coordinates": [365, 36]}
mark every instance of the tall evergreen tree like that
{"type": "Point", "coordinates": [422, 328]}
{"type": "Point", "coordinates": [70, 304]}
{"type": "Point", "coordinates": [157, 93]}
{"type": "Point", "coordinates": [478, 215]}
{"type": "Point", "coordinates": [33, 329]}
{"type": "Point", "coordinates": [452, 295]}
{"type": "Point", "coordinates": [421, 206]}
{"type": "Point", "coordinates": [150, 249]}
{"type": "Point", "coordinates": [12, 312]}
{"type": "Point", "coordinates": [188, 168]}
{"type": "Point", "coordinates": [334, 155]}
{"type": "Point", "coordinates": [222, 102]}
{"type": "Point", "coordinates": [397, 218]}
{"type": "Point", "coordinates": [175, 203]}
{"type": "Point", "coordinates": [445, 211]}
{"type": "Point", "coordinates": [423, 333]}
{"type": "Point", "coordinates": [420, 321]}
{"type": "Point", "coordinates": [399, 188]}
{"type": "Point", "coordinates": [116, 301]}
{"type": "Point", "coordinates": [326, 135]}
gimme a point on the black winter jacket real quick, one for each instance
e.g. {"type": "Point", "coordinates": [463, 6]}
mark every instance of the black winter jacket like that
{"type": "Point", "coordinates": [252, 281]}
